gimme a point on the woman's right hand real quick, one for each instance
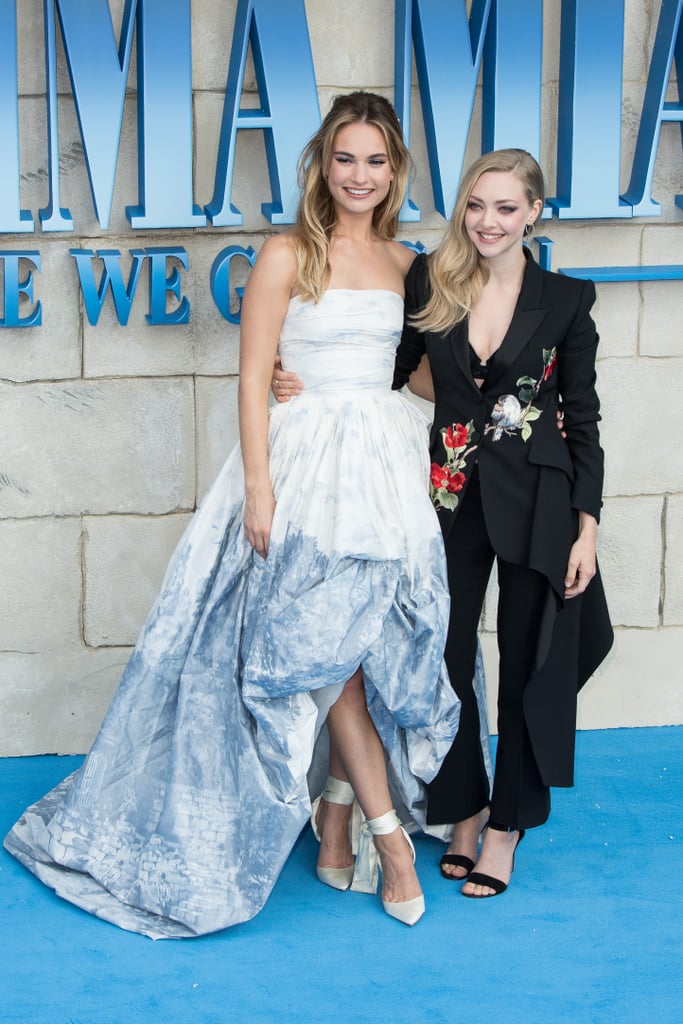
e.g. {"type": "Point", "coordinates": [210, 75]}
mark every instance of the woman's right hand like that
{"type": "Point", "coordinates": [259, 509]}
{"type": "Point", "coordinates": [285, 385]}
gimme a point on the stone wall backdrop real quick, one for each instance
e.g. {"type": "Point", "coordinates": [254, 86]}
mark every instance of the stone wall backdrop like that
{"type": "Point", "coordinates": [111, 434]}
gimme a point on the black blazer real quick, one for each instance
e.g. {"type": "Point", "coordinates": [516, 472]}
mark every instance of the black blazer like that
{"type": "Point", "coordinates": [533, 481]}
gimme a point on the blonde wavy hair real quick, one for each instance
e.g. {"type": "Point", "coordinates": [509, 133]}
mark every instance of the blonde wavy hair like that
{"type": "Point", "coordinates": [457, 273]}
{"type": "Point", "coordinates": [316, 216]}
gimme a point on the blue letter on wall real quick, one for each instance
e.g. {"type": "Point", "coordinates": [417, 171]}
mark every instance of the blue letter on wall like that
{"type": "Point", "coordinates": [289, 112]}
{"type": "Point", "coordinates": [448, 55]}
{"type": "Point", "coordinates": [14, 288]}
{"type": "Point", "coordinates": [669, 40]}
{"type": "Point", "coordinates": [94, 294]}
{"type": "Point", "coordinates": [99, 73]}
{"type": "Point", "coordinates": [589, 124]}
{"type": "Point", "coordinates": [161, 284]}
{"type": "Point", "coordinates": [220, 280]}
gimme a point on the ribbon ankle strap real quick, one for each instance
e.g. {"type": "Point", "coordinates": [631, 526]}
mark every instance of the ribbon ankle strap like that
{"type": "Point", "coordinates": [385, 824]}
{"type": "Point", "coordinates": [337, 792]}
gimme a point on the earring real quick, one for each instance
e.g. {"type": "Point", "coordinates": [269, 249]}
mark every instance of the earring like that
{"type": "Point", "coordinates": [528, 228]}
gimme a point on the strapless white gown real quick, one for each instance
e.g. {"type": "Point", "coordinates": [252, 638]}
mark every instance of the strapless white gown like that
{"type": "Point", "coordinates": [199, 782]}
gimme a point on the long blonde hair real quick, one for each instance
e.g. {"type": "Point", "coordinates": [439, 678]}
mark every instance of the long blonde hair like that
{"type": "Point", "coordinates": [316, 217]}
{"type": "Point", "coordinates": [457, 273]}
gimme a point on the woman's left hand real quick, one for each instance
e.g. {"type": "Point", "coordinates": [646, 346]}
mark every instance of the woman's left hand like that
{"type": "Point", "coordinates": [581, 566]}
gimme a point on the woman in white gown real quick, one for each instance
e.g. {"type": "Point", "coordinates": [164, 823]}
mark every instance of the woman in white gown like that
{"type": "Point", "coordinates": [306, 601]}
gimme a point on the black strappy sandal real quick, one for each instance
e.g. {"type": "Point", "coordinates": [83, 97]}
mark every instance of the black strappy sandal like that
{"type": "Point", "coordinates": [477, 878]}
{"type": "Point", "coordinates": [457, 860]}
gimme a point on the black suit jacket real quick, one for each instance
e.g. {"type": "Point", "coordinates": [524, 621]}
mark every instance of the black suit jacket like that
{"type": "Point", "coordinates": [533, 481]}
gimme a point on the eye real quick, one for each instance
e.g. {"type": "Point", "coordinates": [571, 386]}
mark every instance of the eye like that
{"type": "Point", "coordinates": [377, 161]}
{"type": "Point", "coordinates": [472, 205]}
{"type": "Point", "coordinates": [343, 160]}
{"type": "Point", "coordinates": [508, 209]}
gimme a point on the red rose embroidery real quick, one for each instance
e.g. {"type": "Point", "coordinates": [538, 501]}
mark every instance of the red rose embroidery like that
{"type": "Point", "coordinates": [455, 436]}
{"type": "Point", "coordinates": [439, 476]}
{"type": "Point", "coordinates": [444, 479]}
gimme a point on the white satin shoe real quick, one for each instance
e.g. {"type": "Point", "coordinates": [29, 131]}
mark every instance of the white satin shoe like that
{"type": "Point", "coordinates": [336, 792]}
{"type": "Point", "coordinates": [367, 867]}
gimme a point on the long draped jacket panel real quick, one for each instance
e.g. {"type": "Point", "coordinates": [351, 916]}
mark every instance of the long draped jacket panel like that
{"type": "Point", "coordinates": [533, 481]}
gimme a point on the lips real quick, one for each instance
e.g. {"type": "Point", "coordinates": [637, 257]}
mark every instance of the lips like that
{"type": "Point", "coordinates": [359, 193]}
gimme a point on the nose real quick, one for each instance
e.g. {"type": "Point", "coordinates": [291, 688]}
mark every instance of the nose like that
{"type": "Point", "coordinates": [360, 173]}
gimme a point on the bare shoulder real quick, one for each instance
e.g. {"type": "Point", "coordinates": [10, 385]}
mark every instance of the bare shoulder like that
{"type": "Point", "coordinates": [273, 275]}
{"type": "Point", "coordinates": [402, 256]}
{"type": "Point", "coordinates": [278, 257]}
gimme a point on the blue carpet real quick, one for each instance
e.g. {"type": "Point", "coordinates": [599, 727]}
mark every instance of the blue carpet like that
{"type": "Point", "coordinates": [591, 929]}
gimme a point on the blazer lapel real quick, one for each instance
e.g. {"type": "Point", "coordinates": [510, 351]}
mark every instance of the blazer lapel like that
{"type": "Point", "coordinates": [526, 319]}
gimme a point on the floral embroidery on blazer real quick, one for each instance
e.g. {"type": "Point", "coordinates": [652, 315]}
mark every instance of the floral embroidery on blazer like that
{"type": "Point", "coordinates": [511, 414]}
{"type": "Point", "coordinates": [447, 480]}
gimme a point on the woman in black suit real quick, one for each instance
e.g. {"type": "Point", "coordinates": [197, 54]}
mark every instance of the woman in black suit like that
{"type": "Point", "coordinates": [497, 344]}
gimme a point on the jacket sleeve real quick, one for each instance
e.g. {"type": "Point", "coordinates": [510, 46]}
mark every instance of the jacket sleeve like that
{"type": "Point", "coordinates": [412, 345]}
{"type": "Point", "coordinates": [576, 378]}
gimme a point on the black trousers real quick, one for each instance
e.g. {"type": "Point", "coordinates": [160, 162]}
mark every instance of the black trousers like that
{"type": "Point", "coordinates": [519, 798]}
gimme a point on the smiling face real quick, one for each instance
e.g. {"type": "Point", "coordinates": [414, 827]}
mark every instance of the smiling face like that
{"type": "Point", "coordinates": [359, 173]}
{"type": "Point", "coordinates": [497, 214]}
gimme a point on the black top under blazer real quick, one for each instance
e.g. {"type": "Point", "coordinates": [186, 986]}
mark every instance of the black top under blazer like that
{"type": "Point", "coordinates": [533, 481]}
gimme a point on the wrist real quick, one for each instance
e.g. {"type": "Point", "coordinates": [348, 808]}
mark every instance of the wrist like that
{"type": "Point", "coordinates": [588, 525]}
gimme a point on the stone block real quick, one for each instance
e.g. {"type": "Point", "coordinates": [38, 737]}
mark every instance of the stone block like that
{"type": "Point", "coordinates": [639, 683]}
{"type": "Point", "coordinates": [40, 585]}
{"type": "Point", "coordinates": [640, 425]}
{"type": "Point", "coordinates": [217, 428]}
{"type": "Point", "coordinates": [97, 446]}
{"type": "Point", "coordinates": [352, 52]}
{"type": "Point", "coordinates": [55, 703]}
{"type": "Point", "coordinates": [592, 243]}
{"type": "Point", "coordinates": [125, 560]}
{"type": "Point", "coordinates": [673, 575]}
{"type": "Point", "coordinates": [213, 23]}
{"type": "Point", "coordinates": [661, 330]}
{"type": "Point", "coordinates": [630, 553]}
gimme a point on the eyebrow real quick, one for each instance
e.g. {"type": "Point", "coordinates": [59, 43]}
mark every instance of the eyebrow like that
{"type": "Point", "coordinates": [372, 156]}
{"type": "Point", "coordinates": [480, 200]}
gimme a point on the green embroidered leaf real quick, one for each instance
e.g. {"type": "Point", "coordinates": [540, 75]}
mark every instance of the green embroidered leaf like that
{"type": "Point", "coordinates": [526, 394]}
{"type": "Point", "coordinates": [449, 501]}
{"type": "Point", "coordinates": [527, 382]}
{"type": "Point", "coordinates": [532, 413]}
{"type": "Point", "coordinates": [526, 431]}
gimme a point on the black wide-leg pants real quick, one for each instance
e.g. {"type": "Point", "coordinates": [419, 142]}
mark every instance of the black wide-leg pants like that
{"type": "Point", "coordinates": [519, 798]}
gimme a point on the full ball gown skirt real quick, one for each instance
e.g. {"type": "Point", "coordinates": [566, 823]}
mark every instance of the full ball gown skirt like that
{"type": "Point", "coordinates": [197, 785]}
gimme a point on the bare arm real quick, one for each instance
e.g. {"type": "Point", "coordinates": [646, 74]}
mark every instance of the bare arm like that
{"type": "Point", "coordinates": [263, 311]}
{"type": "Point", "coordinates": [420, 381]}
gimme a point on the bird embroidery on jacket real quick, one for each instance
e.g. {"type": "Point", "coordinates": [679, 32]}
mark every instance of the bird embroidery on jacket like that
{"type": "Point", "coordinates": [511, 414]}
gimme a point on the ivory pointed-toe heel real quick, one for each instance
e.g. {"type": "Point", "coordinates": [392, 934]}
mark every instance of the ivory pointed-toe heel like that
{"type": "Point", "coordinates": [336, 878]}
{"type": "Point", "coordinates": [407, 911]}
{"type": "Point", "coordinates": [336, 791]}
